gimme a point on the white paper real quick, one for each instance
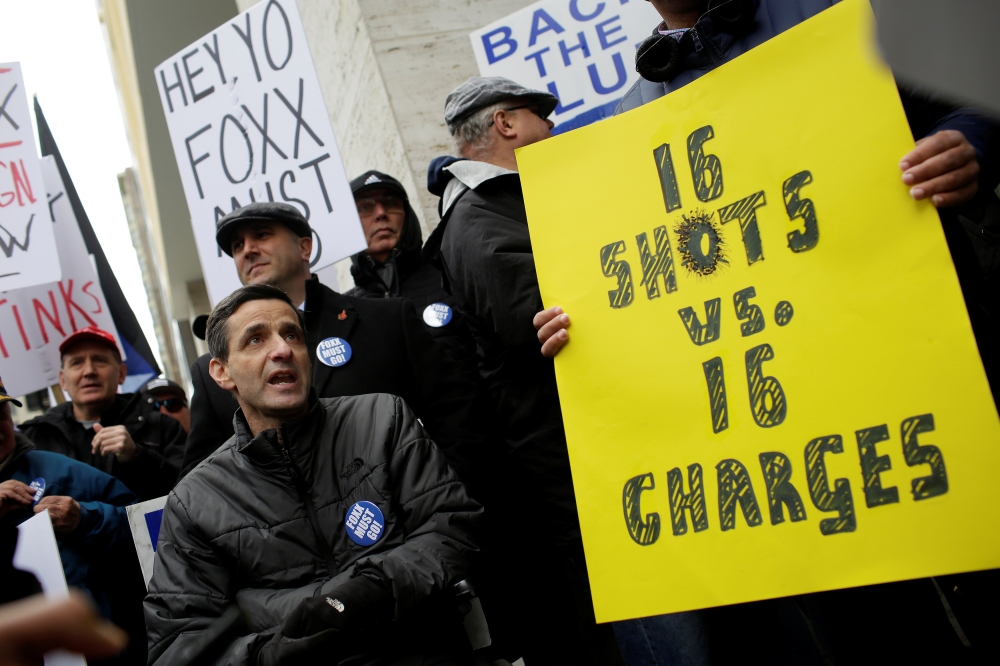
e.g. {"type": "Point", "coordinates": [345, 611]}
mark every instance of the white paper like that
{"type": "Point", "coordinates": [34, 321]}
{"type": "Point", "coordinates": [582, 51]}
{"type": "Point", "coordinates": [38, 553]}
{"type": "Point", "coordinates": [27, 245]}
{"type": "Point", "coordinates": [219, 94]}
{"type": "Point", "coordinates": [144, 545]}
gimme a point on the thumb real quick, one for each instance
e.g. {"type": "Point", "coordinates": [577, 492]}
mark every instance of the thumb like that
{"type": "Point", "coordinates": [98, 427]}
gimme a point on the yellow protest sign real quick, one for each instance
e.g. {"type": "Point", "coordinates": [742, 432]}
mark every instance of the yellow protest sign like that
{"type": "Point", "coordinates": [772, 386]}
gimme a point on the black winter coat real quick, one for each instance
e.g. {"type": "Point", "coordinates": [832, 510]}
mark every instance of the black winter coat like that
{"type": "Point", "coordinates": [485, 253]}
{"type": "Point", "coordinates": [160, 441]}
{"type": "Point", "coordinates": [264, 527]}
{"type": "Point", "coordinates": [391, 353]}
{"type": "Point", "coordinates": [415, 278]}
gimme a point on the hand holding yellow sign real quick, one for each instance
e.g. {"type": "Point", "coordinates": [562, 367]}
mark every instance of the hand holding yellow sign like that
{"type": "Point", "coordinates": [773, 387]}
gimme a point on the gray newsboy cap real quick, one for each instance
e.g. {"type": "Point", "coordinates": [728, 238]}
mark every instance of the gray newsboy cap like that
{"type": "Point", "coordinates": [482, 91]}
{"type": "Point", "coordinates": [261, 211]}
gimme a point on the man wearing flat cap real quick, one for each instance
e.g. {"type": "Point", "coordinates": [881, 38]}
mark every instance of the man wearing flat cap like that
{"type": "Point", "coordinates": [356, 345]}
{"type": "Point", "coordinates": [118, 433]}
{"type": "Point", "coordinates": [484, 249]}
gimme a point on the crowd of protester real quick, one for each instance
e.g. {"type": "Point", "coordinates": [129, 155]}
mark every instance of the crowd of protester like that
{"type": "Point", "coordinates": [354, 468]}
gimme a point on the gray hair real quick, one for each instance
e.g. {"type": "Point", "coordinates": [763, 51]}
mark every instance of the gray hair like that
{"type": "Point", "coordinates": [473, 132]}
{"type": "Point", "coordinates": [217, 328]}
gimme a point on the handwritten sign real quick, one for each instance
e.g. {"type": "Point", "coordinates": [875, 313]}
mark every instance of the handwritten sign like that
{"type": "Point", "coordinates": [248, 123]}
{"type": "Point", "coordinates": [27, 246]}
{"type": "Point", "coordinates": [35, 320]}
{"type": "Point", "coordinates": [772, 387]}
{"type": "Point", "coordinates": [582, 51]}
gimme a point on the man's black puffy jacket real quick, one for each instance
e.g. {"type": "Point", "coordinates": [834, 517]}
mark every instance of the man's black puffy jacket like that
{"type": "Point", "coordinates": [392, 353]}
{"type": "Point", "coordinates": [261, 525]}
{"type": "Point", "coordinates": [158, 438]}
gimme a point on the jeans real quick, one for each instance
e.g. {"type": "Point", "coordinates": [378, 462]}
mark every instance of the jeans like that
{"type": "Point", "coordinates": [678, 639]}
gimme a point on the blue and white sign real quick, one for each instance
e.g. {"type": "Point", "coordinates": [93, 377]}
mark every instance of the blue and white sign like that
{"type": "Point", "coordinates": [437, 315]}
{"type": "Point", "coordinates": [334, 352]}
{"type": "Point", "coordinates": [582, 51]}
{"type": "Point", "coordinates": [38, 485]}
{"type": "Point", "coordinates": [144, 519]}
{"type": "Point", "coordinates": [364, 523]}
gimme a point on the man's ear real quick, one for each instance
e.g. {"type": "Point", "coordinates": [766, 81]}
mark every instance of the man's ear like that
{"type": "Point", "coordinates": [62, 382]}
{"type": "Point", "coordinates": [220, 373]}
{"type": "Point", "coordinates": [505, 123]}
{"type": "Point", "coordinates": [122, 372]}
{"type": "Point", "coordinates": [305, 247]}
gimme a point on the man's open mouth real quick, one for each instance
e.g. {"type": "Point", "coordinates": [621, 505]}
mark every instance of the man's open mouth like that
{"type": "Point", "coordinates": [281, 378]}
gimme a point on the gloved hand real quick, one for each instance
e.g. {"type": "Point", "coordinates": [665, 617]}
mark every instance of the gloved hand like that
{"type": "Point", "coordinates": [359, 602]}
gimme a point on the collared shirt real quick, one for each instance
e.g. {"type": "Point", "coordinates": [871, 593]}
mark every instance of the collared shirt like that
{"type": "Point", "coordinates": [676, 34]}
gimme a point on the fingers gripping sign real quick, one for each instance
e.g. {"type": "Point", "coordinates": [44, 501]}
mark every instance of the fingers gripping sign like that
{"type": "Point", "coordinates": [113, 440]}
{"type": "Point", "coordinates": [551, 325]}
{"type": "Point", "coordinates": [944, 167]}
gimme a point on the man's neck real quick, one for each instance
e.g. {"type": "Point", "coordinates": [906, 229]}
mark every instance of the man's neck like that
{"type": "Point", "coordinates": [500, 158]}
{"type": "Point", "coordinates": [260, 422]}
{"type": "Point", "coordinates": [89, 412]}
{"type": "Point", "coordinates": [296, 288]}
{"type": "Point", "coordinates": [679, 17]}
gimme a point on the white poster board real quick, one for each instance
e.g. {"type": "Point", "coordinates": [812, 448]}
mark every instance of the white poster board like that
{"type": "Point", "coordinates": [248, 123]}
{"type": "Point", "coordinates": [34, 321]}
{"type": "Point", "coordinates": [38, 554]}
{"type": "Point", "coordinates": [144, 520]}
{"type": "Point", "coordinates": [582, 51]}
{"type": "Point", "coordinates": [27, 245]}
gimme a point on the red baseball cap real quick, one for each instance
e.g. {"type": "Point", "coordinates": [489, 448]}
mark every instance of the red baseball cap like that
{"type": "Point", "coordinates": [88, 333]}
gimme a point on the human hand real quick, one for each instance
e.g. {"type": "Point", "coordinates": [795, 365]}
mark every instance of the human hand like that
{"type": "Point", "coordinates": [113, 439]}
{"type": "Point", "coordinates": [551, 325]}
{"type": "Point", "coordinates": [34, 626]}
{"type": "Point", "coordinates": [63, 511]}
{"type": "Point", "coordinates": [15, 495]}
{"type": "Point", "coordinates": [944, 167]}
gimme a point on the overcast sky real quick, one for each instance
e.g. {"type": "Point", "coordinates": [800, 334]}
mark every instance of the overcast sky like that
{"type": "Point", "coordinates": [64, 60]}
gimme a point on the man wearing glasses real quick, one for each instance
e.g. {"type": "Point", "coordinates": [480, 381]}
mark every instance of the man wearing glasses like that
{"type": "Point", "coordinates": [168, 398]}
{"type": "Point", "coordinates": [394, 264]}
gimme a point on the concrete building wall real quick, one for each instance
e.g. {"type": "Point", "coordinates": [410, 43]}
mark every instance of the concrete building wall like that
{"type": "Point", "coordinates": [385, 67]}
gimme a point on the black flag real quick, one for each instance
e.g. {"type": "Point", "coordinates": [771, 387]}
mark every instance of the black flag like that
{"type": "Point", "coordinates": [140, 359]}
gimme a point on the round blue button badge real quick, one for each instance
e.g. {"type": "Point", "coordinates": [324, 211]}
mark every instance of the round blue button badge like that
{"type": "Point", "coordinates": [38, 485]}
{"type": "Point", "coordinates": [334, 352]}
{"type": "Point", "coordinates": [437, 315]}
{"type": "Point", "coordinates": [364, 523]}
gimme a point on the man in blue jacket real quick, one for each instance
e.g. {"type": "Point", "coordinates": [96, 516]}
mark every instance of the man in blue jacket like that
{"type": "Point", "coordinates": [87, 506]}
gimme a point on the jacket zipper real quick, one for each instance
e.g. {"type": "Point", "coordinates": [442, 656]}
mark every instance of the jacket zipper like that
{"type": "Point", "coordinates": [324, 547]}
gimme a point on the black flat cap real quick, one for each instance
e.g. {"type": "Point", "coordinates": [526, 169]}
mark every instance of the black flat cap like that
{"type": "Point", "coordinates": [482, 91]}
{"type": "Point", "coordinates": [261, 211]}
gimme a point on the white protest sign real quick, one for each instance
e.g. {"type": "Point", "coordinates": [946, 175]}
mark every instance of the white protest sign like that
{"type": "Point", "coordinates": [248, 123]}
{"type": "Point", "coordinates": [144, 520]}
{"type": "Point", "coordinates": [582, 51]}
{"type": "Point", "coordinates": [38, 553]}
{"type": "Point", "coordinates": [34, 321]}
{"type": "Point", "coordinates": [27, 246]}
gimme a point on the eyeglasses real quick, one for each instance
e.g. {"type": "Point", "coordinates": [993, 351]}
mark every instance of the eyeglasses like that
{"type": "Point", "coordinates": [534, 108]}
{"type": "Point", "coordinates": [173, 405]}
{"type": "Point", "coordinates": [390, 204]}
